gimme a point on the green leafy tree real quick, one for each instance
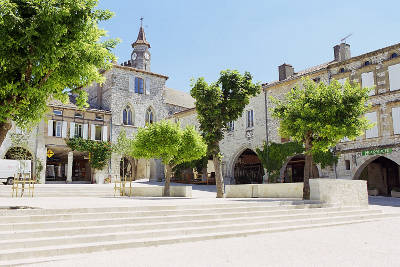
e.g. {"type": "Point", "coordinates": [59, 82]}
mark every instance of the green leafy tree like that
{"type": "Point", "coordinates": [217, 104]}
{"type": "Point", "coordinates": [48, 49]}
{"type": "Point", "coordinates": [123, 148]}
{"type": "Point", "coordinates": [170, 143]}
{"type": "Point", "coordinates": [319, 116]}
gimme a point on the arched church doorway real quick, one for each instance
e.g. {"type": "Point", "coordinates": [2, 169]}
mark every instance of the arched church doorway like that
{"type": "Point", "coordinates": [248, 168]}
{"type": "Point", "coordinates": [381, 174]}
{"type": "Point", "coordinates": [294, 171]}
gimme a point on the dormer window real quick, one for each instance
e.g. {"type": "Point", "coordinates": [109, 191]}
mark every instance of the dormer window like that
{"type": "Point", "coordinates": [317, 80]}
{"type": "Point", "coordinates": [99, 118]}
{"type": "Point", "coordinates": [394, 55]}
{"type": "Point", "coordinates": [341, 70]}
{"type": "Point", "coordinates": [367, 63]}
{"type": "Point", "coordinates": [79, 115]}
{"type": "Point", "coordinates": [57, 112]}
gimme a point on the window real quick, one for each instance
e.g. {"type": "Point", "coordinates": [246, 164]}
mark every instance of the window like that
{"type": "Point", "coordinates": [367, 63]}
{"type": "Point", "coordinates": [139, 85]}
{"type": "Point", "coordinates": [367, 80]}
{"type": "Point", "coordinates": [149, 116]}
{"type": "Point", "coordinates": [79, 115]}
{"type": "Point", "coordinates": [250, 118]}
{"type": "Point", "coordinates": [341, 70]}
{"type": "Point", "coordinates": [396, 120]}
{"type": "Point", "coordinates": [317, 80]}
{"type": "Point", "coordinates": [78, 130]}
{"type": "Point", "coordinates": [372, 118]}
{"type": "Point", "coordinates": [231, 126]}
{"type": "Point", "coordinates": [127, 116]}
{"type": "Point", "coordinates": [57, 112]}
{"type": "Point", "coordinates": [347, 163]}
{"type": "Point", "coordinates": [99, 118]}
{"type": "Point", "coordinates": [394, 55]}
{"type": "Point", "coordinates": [394, 77]}
{"type": "Point", "coordinates": [97, 135]}
{"type": "Point", "coordinates": [57, 128]}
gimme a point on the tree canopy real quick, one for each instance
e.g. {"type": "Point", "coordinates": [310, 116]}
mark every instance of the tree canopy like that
{"type": "Point", "coordinates": [320, 115]}
{"type": "Point", "coordinates": [167, 141]}
{"type": "Point", "coordinates": [219, 103]}
{"type": "Point", "coordinates": [48, 49]}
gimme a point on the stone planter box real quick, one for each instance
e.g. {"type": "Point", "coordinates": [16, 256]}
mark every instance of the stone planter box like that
{"type": "Point", "coordinates": [279, 190]}
{"type": "Point", "coordinates": [373, 192]}
{"type": "Point", "coordinates": [158, 191]}
{"type": "Point", "coordinates": [340, 192]}
{"type": "Point", "coordinates": [395, 193]}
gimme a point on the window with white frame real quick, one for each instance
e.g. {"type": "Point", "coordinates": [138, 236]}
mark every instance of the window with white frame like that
{"type": "Point", "coordinates": [78, 130]}
{"type": "Point", "coordinates": [396, 120]}
{"type": "Point", "coordinates": [97, 135]}
{"type": "Point", "coordinates": [250, 118]}
{"type": "Point", "coordinates": [394, 77]}
{"type": "Point", "coordinates": [372, 118]}
{"type": "Point", "coordinates": [367, 80]}
{"type": "Point", "coordinates": [231, 126]}
{"type": "Point", "coordinates": [57, 128]}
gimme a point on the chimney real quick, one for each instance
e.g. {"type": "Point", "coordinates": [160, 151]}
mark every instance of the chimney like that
{"type": "Point", "coordinates": [342, 52]}
{"type": "Point", "coordinates": [285, 71]}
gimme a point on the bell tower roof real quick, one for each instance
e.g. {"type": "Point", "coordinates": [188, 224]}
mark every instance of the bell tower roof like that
{"type": "Point", "coordinates": [141, 39]}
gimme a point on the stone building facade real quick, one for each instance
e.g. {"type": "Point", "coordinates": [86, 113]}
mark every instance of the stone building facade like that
{"type": "Point", "coordinates": [374, 156]}
{"type": "Point", "coordinates": [136, 96]}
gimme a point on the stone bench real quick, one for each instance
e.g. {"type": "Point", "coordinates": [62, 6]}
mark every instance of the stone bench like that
{"type": "Point", "coordinates": [158, 191]}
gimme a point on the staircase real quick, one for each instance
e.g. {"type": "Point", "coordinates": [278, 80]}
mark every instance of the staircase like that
{"type": "Point", "coordinates": [38, 235]}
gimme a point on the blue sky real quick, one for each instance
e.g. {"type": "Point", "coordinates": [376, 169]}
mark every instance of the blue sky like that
{"type": "Point", "coordinates": [191, 39]}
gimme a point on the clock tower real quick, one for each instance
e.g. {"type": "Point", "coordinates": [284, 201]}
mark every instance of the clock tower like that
{"type": "Point", "coordinates": [140, 58]}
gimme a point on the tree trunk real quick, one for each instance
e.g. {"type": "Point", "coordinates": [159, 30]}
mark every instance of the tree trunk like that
{"type": "Point", "coordinates": [4, 128]}
{"type": "Point", "coordinates": [308, 168]}
{"type": "Point", "coordinates": [168, 172]}
{"type": "Point", "coordinates": [135, 168]}
{"type": "Point", "coordinates": [219, 181]}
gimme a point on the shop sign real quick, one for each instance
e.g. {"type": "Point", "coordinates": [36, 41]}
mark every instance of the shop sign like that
{"type": "Point", "coordinates": [376, 151]}
{"type": "Point", "coordinates": [50, 153]}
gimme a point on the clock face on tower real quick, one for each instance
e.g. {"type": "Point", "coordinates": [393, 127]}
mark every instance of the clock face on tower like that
{"type": "Point", "coordinates": [134, 56]}
{"type": "Point", "coordinates": [146, 56]}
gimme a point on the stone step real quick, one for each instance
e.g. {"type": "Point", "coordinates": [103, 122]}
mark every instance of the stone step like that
{"type": "Point", "coordinates": [132, 220]}
{"type": "Point", "coordinates": [171, 222]}
{"type": "Point", "coordinates": [136, 214]}
{"type": "Point", "coordinates": [187, 235]}
{"type": "Point", "coordinates": [291, 204]}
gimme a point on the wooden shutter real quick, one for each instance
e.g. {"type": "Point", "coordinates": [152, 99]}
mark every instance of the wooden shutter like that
{"type": "Point", "coordinates": [104, 133]}
{"type": "Point", "coordinates": [50, 128]}
{"type": "Point", "coordinates": [367, 80]}
{"type": "Point", "coordinates": [64, 129]}
{"type": "Point", "coordinates": [71, 129]}
{"type": "Point", "coordinates": [394, 77]}
{"type": "Point", "coordinates": [131, 87]}
{"type": "Point", "coordinates": [373, 132]}
{"type": "Point", "coordinates": [92, 132]}
{"type": "Point", "coordinates": [85, 131]}
{"type": "Point", "coordinates": [396, 120]}
{"type": "Point", "coordinates": [147, 87]}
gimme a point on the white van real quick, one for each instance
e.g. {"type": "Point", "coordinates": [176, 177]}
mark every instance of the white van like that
{"type": "Point", "coordinates": [10, 167]}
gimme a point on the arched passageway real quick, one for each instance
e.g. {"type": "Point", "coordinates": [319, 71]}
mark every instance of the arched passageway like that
{"type": "Point", "coordinates": [294, 170]}
{"type": "Point", "coordinates": [248, 168]}
{"type": "Point", "coordinates": [381, 174]}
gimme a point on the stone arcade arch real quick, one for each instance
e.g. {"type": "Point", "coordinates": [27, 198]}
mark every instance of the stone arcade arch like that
{"type": "Point", "coordinates": [381, 173]}
{"type": "Point", "coordinates": [248, 168]}
{"type": "Point", "coordinates": [293, 170]}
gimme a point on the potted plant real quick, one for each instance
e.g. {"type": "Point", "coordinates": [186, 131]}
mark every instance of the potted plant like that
{"type": "Point", "coordinates": [372, 191]}
{"type": "Point", "coordinates": [395, 192]}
